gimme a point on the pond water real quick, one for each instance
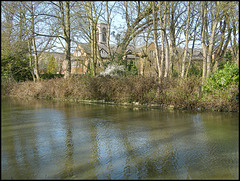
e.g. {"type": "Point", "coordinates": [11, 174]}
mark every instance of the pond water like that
{"type": "Point", "coordinates": [53, 140]}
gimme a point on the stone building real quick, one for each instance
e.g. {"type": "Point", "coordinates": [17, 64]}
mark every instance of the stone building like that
{"type": "Point", "coordinates": [145, 64]}
{"type": "Point", "coordinates": [143, 56]}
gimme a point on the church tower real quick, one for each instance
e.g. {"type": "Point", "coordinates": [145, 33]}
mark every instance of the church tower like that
{"type": "Point", "coordinates": [102, 29]}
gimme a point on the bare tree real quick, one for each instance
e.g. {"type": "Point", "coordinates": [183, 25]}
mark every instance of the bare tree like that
{"type": "Point", "coordinates": [109, 10]}
{"type": "Point", "coordinates": [156, 40]}
{"type": "Point", "coordinates": [196, 24]}
{"type": "Point", "coordinates": [186, 44]}
{"type": "Point", "coordinates": [34, 9]}
{"type": "Point", "coordinates": [26, 19]}
{"type": "Point", "coordinates": [235, 26]}
{"type": "Point", "coordinates": [137, 24]}
{"type": "Point", "coordinates": [208, 38]}
{"type": "Point", "coordinates": [164, 27]}
{"type": "Point", "coordinates": [226, 15]}
{"type": "Point", "coordinates": [203, 34]}
{"type": "Point", "coordinates": [162, 35]}
{"type": "Point", "coordinates": [93, 13]}
{"type": "Point", "coordinates": [32, 14]}
{"type": "Point", "coordinates": [65, 23]}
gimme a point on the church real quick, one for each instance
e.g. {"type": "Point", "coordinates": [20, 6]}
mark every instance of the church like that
{"type": "Point", "coordinates": [81, 56]}
{"type": "Point", "coordinates": [144, 56]}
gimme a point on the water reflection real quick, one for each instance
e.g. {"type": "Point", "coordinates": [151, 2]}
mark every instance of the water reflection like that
{"type": "Point", "coordinates": [68, 141]}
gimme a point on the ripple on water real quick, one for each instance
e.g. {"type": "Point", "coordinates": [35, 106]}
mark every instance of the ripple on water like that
{"type": "Point", "coordinates": [94, 142]}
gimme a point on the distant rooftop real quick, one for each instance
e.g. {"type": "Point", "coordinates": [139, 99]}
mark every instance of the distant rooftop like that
{"type": "Point", "coordinates": [102, 22]}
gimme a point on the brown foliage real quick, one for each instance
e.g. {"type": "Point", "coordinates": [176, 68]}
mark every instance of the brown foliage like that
{"type": "Point", "coordinates": [180, 93]}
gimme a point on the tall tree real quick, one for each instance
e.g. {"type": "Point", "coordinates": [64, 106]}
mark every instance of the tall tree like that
{"type": "Point", "coordinates": [109, 18]}
{"type": "Point", "coordinates": [154, 8]}
{"type": "Point", "coordinates": [226, 15]}
{"type": "Point", "coordinates": [164, 28]}
{"type": "Point", "coordinates": [186, 43]}
{"type": "Point", "coordinates": [14, 38]}
{"type": "Point", "coordinates": [211, 42]}
{"type": "Point", "coordinates": [203, 35]}
{"type": "Point", "coordinates": [211, 17]}
{"type": "Point", "coordinates": [136, 24]}
{"type": "Point", "coordinates": [194, 32]}
{"type": "Point", "coordinates": [162, 35]}
{"type": "Point", "coordinates": [235, 25]}
{"type": "Point", "coordinates": [64, 8]}
{"type": "Point", "coordinates": [32, 14]}
{"type": "Point", "coordinates": [93, 17]}
{"type": "Point", "coordinates": [36, 44]}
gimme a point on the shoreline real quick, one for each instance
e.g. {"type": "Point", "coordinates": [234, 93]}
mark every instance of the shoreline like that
{"type": "Point", "coordinates": [134, 105]}
{"type": "Point", "coordinates": [129, 91]}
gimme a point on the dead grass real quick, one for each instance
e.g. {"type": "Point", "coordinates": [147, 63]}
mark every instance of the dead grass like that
{"type": "Point", "coordinates": [181, 94]}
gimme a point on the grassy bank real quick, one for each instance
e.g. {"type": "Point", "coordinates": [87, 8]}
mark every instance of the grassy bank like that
{"type": "Point", "coordinates": [180, 94]}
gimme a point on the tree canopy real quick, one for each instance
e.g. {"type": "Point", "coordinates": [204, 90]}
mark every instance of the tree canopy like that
{"type": "Point", "coordinates": [30, 28]}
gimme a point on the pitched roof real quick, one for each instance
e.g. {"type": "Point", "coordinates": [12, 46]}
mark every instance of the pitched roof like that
{"type": "Point", "coordinates": [58, 56]}
{"type": "Point", "coordinates": [102, 22]}
{"type": "Point", "coordinates": [132, 50]}
{"type": "Point", "coordinates": [86, 47]}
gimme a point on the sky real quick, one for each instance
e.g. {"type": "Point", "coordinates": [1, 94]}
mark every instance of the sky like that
{"type": "Point", "coordinates": [117, 26]}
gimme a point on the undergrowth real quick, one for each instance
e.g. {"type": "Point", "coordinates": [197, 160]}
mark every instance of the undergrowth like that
{"type": "Point", "coordinates": [179, 93]}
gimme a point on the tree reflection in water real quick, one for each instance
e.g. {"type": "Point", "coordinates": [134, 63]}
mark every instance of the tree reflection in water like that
{"type": "Point", "coordinates": [68, 141]}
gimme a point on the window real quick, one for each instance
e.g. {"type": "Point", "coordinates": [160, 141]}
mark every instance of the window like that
{"type": "Point", "coordinates": [150, 64]}
{"type": "Point", "coordinates": [74, 64]}
{"type": "Point", "coordinates": [151, 53]}
{"type": "Point", "coordinates": [97, 35]}
{"type": "Point", "coordinates": [104, 34]}
{"type": "Point", "coordinates": [78, 53]}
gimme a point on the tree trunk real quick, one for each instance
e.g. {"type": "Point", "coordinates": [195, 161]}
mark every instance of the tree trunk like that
{"type": "Point", "coordinates": [210, 48]}
{"type": "Point", "coordinates": [166, 43]}
{"type": "Point", "coordinates": [20, 35]}
{"type": "Point", "coordinates": [92, 42]}
{"type": "Point", "coordinates": [108, 31]}
{"type": "Point", "coordinates": [193, 44]}
{"type": "Point", "coordinates": [155, 40]}
{"type": "Point", "coordinates": [134, 27]}
{"type": "Point", "coordinates": [66, 34]}
{"type": "Point", "coordinates": [235, 45]}
{"type": "Point", "coordinates": [171, 27]}
{"type": "Point", "coordinates": [36, 71]}
{"type": "Point", "coordinates": [186, 44]}
{"type": "Point", "coordinates": [204, 48]}
{"type": "Point", "coordinates": [68, 41]}
{"type": "Point", "coordinates": [30, 60]}
{"type": "Point", "coordinates": [163, 39]}
{"type": "Point", "coordinates": [220, 52]}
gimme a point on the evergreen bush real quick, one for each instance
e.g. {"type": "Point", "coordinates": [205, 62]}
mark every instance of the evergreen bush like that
{"type": "Point", "coordinates": [222, 78]}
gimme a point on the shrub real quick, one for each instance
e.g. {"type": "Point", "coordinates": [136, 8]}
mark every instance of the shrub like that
{"type": "Point", "coordinates": [222, 78]}
{"type": "Point", "coordinates": [15, 67]}
{"type": "Point", "coordinates": [131, 69]}
{"type": "Point", "coordinates": [181, 93]}
{"type": "Point", "coordinates": [52, 66]}
{"type": "Point", "coordinates": [195, 71]}
{"type": "Point", "coordinates": [221, 89]}
{"type": "Point", "coordinates": [50, 76]}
